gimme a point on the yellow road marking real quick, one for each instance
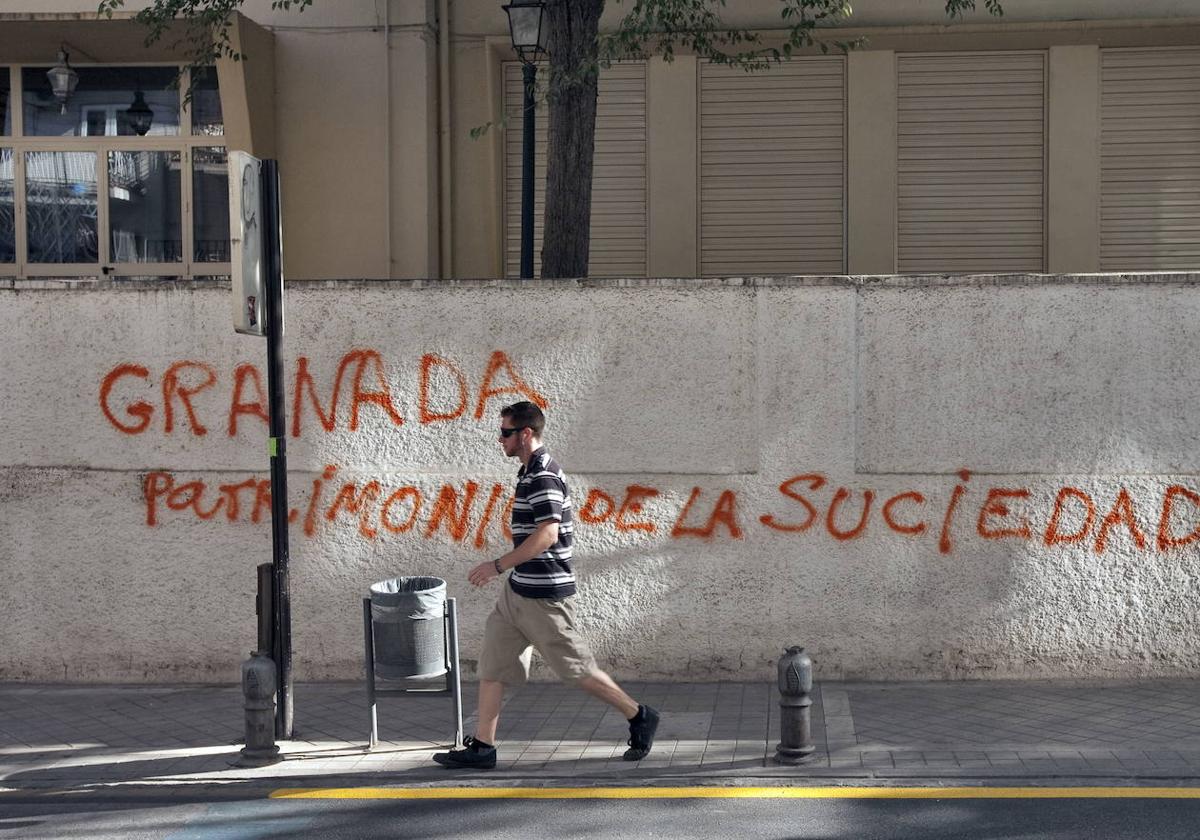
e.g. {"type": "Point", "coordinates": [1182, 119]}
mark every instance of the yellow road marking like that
{"type": "Point", "coordinates": [740, 793]}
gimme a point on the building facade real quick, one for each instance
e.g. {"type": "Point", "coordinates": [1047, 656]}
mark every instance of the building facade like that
{"type": "Point", "coordinates": [1057, 138]}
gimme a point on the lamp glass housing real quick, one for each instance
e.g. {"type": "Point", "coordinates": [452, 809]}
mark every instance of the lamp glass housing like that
{"type": "Point", "coordinates": [139, 114]}
{"type": "Point", "coordinates": [526, 22]}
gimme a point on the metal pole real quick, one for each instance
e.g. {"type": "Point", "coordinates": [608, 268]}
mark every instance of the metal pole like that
{"type": "Point", "coordinates": [527, 148]}
{"type": "Point", "coordinates": [456, 685]}
{"type": "Point", "coordinates": [264, 606]}
{"type": "Point", "coordinates": [369, 661]}
{"type": "Point", "coordinates": [277, 445]}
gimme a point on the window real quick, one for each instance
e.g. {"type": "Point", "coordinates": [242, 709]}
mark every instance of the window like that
{"type": "Point", "coordinates": [5, 117]}
{"type": "Point", "coordinates": [144, 207]}
{"type": "Point", "coordinates": [60, 206]}
{"type": "Point", "coordinates": [120, 179]}
{"type": "Point", "coordinates": [100, 103]}
{"type": "Point", "coordinates": [8, 217]}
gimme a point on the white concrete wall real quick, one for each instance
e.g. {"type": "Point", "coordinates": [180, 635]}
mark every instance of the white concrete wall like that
{"type": "Point", "coordinates": [1019, 439]}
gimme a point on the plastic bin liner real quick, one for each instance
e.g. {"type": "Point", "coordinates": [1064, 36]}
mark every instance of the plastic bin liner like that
{"type": "Point", "coordinates": [407, 622]}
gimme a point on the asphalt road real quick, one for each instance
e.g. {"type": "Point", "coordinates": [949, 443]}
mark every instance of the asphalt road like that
{"type": "Point", "coordinates": [215, 814]}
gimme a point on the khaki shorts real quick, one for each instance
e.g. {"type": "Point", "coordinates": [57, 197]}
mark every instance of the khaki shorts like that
{"type": "Point", "coordinates": [547, 624]}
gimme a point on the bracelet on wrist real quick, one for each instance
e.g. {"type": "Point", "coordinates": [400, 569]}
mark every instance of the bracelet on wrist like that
{"type": "Point", "coordinates": [496, 563]}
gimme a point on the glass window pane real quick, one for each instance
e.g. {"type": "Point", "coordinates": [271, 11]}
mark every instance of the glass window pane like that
{"type": "Point", "coordinates": [8, 219]}
{"type": "Point", "coordinates": [60, 207]}
{"type": "Point", "coordinates": [100, 105]}
{"type": "Point", "coordinates": [210, 198]}
{"type": "Point", "coordinates": [5, 112]}
{"type": "Point", "coordinates": [206, 103]}
{"type": "Point", "coordinates": [144, 207]}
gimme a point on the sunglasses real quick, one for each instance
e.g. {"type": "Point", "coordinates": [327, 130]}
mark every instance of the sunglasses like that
{"type": "Point", "coordinates": [506, 433]}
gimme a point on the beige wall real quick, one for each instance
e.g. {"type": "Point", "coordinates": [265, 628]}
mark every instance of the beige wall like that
{"type": "Point", "coordinates": [129, 538]}
{"type": "Point", "coordinates": [1072, 177]}
{"type": "Point", "coordinates": [1073, 159]}
{"type": "Point", "coordinates": [871, 162]}
{"type": "Point", "coordinates": [356, 122]}
{"type": "Point", "coordinates": [671, 168]}
{"type": "Point", "coordinates": [331, 115]}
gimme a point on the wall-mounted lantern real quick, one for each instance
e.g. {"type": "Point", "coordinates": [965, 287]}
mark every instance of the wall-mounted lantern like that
{"type": "Point", "coordinates": [63, 79]}
{"type": "Point", "coordinates": [139, 114]}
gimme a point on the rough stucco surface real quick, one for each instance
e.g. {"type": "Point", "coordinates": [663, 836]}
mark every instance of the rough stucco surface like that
{"type": "Point", "coordinates": [1019, 444]}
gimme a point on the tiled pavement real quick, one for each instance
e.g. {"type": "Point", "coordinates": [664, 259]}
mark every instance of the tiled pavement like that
{"type": "Point", "coordinates": [712, 733]}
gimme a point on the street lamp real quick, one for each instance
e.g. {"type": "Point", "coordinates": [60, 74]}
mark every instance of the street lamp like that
{"type": "Point", "coordinates": [140, 116]}
{"type": "Point", "coordinates": [63, 79]}
{"type": "Point", "coordinates": [526, 24]}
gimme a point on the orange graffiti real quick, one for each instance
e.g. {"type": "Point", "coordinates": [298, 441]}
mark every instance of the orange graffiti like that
{"type": "Point", "coordinates": [361, 371]}
{"type": "Point", "coordinates": [231, 493]}
{"type": "Point", "coordinates": [1052, 536]}
{"type": "Point", "coordinates": [142, 410]}
{"type": "Point", "coordinates": [590, 513]}
{"type": "Point", "coordinates": [1165, 540]}
{"type": "Point", "coordinates": [314, 500]}
{"type": "Point", "coordinates": [506, 518]}
{"type": "Point", "coordinates": [242, 374]}
{"type": "Point", "coordinates": [262, 502]}
{"type": "Point", "coordinates": [840, 496]}
{"type": "Point", "coordinates": [385, 516]}
{"type": "Point", "coordinates": [171, 387]}
{"type": "Point", "coordinates": [154, 485]}
{"type": "Point", "coordinates": [631, 505]}
{"type": "Point", "coordinates": [889, 517]}
{"type": "Point", "coordinates": [944, 544]}
{"type": "Point", "coordinates": [724, 513]}
{"type": "Point", "coordinates": [497, 492]}
{"type": "Point", "coordinates": [815, 481]}
{"type": "Point", "coordinates": [304, 381]}
{"type": "Point", "coordinates": [446, 507]}
{"type": "Point", "coordinates": [160, 485]}
{"type": "Point", "coordinates": [995, 506]}
{"type": "Point", "coordinates": [518, 387]}
{"type": "Point", "coordinates": [1121, 514]}
{"type": "Point", "coordinates": [428, 362]}
{"type": "Point", "coordinates": [459, 511]}
{"type": "Point", "coordinates": [359, 360]}
{"type": "Point", "coordinates": [356, 501]}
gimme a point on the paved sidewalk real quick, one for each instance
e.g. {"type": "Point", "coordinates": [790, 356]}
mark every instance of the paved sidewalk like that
{"type": "Point", "coordinates": [712, 733]}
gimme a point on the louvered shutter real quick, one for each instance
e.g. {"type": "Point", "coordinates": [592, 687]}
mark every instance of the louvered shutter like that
{"type": "Point", "coordinates": [772, 168]}
{"type": "Point", "coordinates": [1149, 159]}
{"type": "Point", "coordinates": [618, 241]}
{"type": "Point", "coordinates": [971, 162]}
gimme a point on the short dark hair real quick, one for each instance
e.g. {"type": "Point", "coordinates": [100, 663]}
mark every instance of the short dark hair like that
{"type": "Point", "coordinates": [526, 414]}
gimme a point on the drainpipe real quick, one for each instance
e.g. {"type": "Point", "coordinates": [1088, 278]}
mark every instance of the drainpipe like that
{"type": "Point", "coordinates": [445, 195]}
{"type": "Point", "coordinates": [387, 130]}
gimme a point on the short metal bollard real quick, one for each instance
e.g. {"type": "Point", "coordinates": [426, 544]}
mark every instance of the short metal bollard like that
{"type": "Point", "coordinates": [795, 702]}
{"type": "Point", "coordinates": [258, 691]}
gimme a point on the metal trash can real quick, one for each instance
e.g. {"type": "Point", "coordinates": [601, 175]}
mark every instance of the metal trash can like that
{"type": "Point", "coordinates": [408, 624]}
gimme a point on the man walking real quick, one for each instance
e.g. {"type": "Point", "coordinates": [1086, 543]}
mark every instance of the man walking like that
{"type": "Point", "coordinates": [536, 607]}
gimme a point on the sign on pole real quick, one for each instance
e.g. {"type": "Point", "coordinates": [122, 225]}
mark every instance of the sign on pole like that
{"type": "Point", "coordinates": [246, 239]}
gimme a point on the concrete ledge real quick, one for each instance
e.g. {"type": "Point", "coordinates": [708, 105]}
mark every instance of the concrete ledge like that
{"type": "Point", "coordinates": [865, 281]}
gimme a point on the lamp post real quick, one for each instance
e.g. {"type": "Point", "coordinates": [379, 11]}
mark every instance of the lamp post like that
{"type": "Point", "coordinates": [526, 24]}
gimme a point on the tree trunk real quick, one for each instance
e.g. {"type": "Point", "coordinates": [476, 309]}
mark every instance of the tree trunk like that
{"type": "Point", "coordinates": [574, 26]}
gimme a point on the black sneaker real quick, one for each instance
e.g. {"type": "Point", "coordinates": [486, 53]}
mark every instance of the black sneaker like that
{"type": "Point", "coordinates": [474, 754]}
{"type": "Point", "coordinates": [641, 733]}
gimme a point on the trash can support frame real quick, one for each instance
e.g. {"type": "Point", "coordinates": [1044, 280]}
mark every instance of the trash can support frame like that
{"type": "Point", "coordinates": [453, 678]}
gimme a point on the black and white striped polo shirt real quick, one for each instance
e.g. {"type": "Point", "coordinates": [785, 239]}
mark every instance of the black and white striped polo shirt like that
{"type": "Point", "coordinates": [542, 496]}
